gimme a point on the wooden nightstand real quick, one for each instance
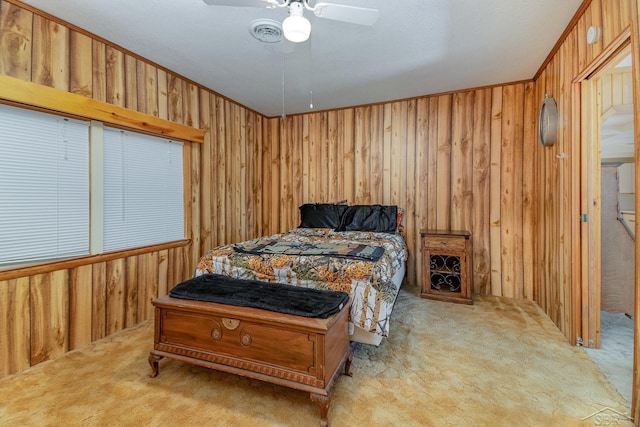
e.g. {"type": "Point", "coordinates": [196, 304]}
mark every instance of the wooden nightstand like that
{"type": "Point", "coordinates": [446, 265]}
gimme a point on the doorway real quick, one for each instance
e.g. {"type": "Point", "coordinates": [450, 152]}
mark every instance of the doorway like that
{"type": "Point", "coordinates": [614, 184]}
{"type": "Point", "coordinates": [608, 228]}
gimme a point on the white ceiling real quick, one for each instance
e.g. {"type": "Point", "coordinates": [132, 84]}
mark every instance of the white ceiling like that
{"type": "Point", "coordinates": [417, 47]}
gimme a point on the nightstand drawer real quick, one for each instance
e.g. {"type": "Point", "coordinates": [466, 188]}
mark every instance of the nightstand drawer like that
{"type": "Point", "coordinates": [444, 243]}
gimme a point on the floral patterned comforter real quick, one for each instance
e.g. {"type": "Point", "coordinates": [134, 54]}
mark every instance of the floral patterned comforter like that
{"type": "Point", "coordinates": [370, 284]}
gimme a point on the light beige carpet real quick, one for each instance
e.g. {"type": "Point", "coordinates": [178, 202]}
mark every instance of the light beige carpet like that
{"type": "Point", "coordinates": [500, 362]}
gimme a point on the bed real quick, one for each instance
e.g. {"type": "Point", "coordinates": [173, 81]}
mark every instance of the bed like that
{"type": "Point", "coordinates": [233, 315]}
{"type": "Point", "coordinates": [355, 249]}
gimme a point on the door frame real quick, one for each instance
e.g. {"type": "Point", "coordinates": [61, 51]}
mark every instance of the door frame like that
{"type": "Point", "coordinates": [586, 145]}
{"type": "Point", "coordinates": [586, 200]}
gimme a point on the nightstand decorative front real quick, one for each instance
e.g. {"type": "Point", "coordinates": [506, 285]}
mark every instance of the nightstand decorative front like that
{"type": "Point", "coordinates": [446, 265]}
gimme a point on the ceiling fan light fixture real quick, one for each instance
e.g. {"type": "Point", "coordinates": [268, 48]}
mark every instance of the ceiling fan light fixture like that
{"type": "Point", "coordinates": [296, 28]}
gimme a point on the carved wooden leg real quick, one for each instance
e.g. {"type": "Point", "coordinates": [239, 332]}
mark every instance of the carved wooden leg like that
{"type": "Point", "coordinates": [323, 402]}
{"type": "Point", "coordinates": [153, 361]}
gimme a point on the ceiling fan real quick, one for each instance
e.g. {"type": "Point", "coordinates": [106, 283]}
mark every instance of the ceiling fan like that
{"type": "Point", "coordinates": [296, 27]}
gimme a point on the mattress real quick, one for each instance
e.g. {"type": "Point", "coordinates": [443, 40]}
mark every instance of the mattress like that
{"type": "Point", "coordinates": [373, 284]}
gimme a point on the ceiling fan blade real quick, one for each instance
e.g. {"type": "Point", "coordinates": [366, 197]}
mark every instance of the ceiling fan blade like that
{"type": "Point", "coordinates": [244, 3]}
{"type": "Point", "coordinates": [352, 14]}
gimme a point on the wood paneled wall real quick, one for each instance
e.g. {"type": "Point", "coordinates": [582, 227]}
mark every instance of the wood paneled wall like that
{"type": "Point", "coordinates": [49, 310]}
{"type": "Point", "coordinates": [556, 187]}
{"type": "Point", "coordinates": [47, 314]}
{"type": "Point", "coordinates": [451, 161]}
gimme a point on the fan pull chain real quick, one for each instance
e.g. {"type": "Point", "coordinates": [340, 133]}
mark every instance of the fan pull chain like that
{"type": "Point", "coordinates": [310, 75]}
{"type": "Point", "coordinates": [283, 114]}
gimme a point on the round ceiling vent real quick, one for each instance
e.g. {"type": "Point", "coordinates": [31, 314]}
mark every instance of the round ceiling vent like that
{"type": "Point", "coordinates": [266, 30]}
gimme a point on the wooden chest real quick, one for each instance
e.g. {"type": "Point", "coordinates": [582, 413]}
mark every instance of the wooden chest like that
{"type": "Point", "coordinates": [298, 352]}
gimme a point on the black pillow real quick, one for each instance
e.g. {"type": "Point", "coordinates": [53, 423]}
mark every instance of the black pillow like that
{"type": "Point", "coordinates": [377, 218]}
{"type": "Point", "coordinates": [321, 215]}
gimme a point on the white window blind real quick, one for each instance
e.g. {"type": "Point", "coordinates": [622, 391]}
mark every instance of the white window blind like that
{"type": "Point", "coordinates": [143, 190]}
{"type": "Point", "coordinates": [44, 186]}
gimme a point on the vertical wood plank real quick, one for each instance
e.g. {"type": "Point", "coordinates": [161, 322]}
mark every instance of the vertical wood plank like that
{"type": "Point", "coordinates": [49, 308]}
{"type": "Point", "coordinates": [192, 209]}
{"type": "Point", "coordinates": [174, 99]}
{"type": "Point", "coordinates": [495, 214]}
{"type": "Point", "coordinates": [511, 205]}
{"type": "Point", "coordinates": [257, 164]}
{"type": "Point", "coordinates": [221, 179]}
{"type": "Point", "coordinates": [529, 219]}
{"type": "Point", "coordinates": [191, 112]}
{"type": "Point", "coordinates": [387, 143]}
{"type": "Point", "coordinates": [16, 41]}
{"type": "Point", "coordinates": [173, 274]}
{"type": "Point", "coordinates": [115, 310]}
{"type": "Point", "coordinates": [611, 21]}
{"type": "Point", "coordinates": [398, 164]}
{"type": "Point", "coordinates": [50, 54]}
{"type": "Point", "coordinates": [306, 163]}
{"type": "Point", "coordinates": [462, 161]}
{"type": "Point", "coordinates": [376, 148]}
{"type": "Point", "coordinates": [362, 156]}
{"type": "Point", "coordinates": [422, 177]}
{"type": "Point", "coordinates": [240, 188]}
{"type": "Point", "coordinates": [147, 87]}
{"type": "Point", "coordinates": [163, 273]}
{"type": "Point", "coordinates": [147, 279]}
{"type": "Point", "coordinates": [286, 182]}
{"type": "Point", "coordinates": [207, 185]}
{"type": "Point", "coordinates": [413, 239]}
{"type": "Point", "coordinates": [482, 192]}
{"type": "Point", "coordinates": [131, 286]}
{"type": "Point", "coordinates": [115, 76]}
{"type": "Point", "coordinates": [249, 161]}
{"type": "Point", "coordinates": [314, 155]}
{"type": "Point", "coordinates": [15, 322]}
{"type": "Point", "coordinates": [323, 178]}
{"type": "Point", "coordinates": [333, 191]}
{"type": "Point", "coordinates": [99, 301]}
{"type": "Point", "coordinates": [596, 21]}
{"type": "Point", "coordinates": [231, 177]}
{"type": "Point", "coordinates": [443, 168]}
{"type": "Point", "coordinates": [266, 179]}
{"type": "Point", "coordinates": [580, 31]}
{"type": "Point", "coordinates": [131, 82]}
{"type": "Point", "coordinates": [432, 164]}
{"type": "Point", "coordinates": [80, 66]}
{"type": "Point", "coordinates": [163, 95]}
{"type": "Point", "coordinates": [348, 150]}
{"type": "Point", "coordinates": [296, 165]}
{"type": "Point", "coordinates": [80, 306]}
{"type": "Point", "coordinates": [99, 71]}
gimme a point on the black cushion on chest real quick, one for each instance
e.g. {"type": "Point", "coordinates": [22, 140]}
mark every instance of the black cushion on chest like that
{"type": "Point", "coordinates": [306, 302]}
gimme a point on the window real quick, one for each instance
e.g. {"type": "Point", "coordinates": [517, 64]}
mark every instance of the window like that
{"type": "Point", "coordinates": [44, 186]}
{"type": "Point", "coordinates": [143, 191]}
{"type": "Point", "coordinates": [70, 188]}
